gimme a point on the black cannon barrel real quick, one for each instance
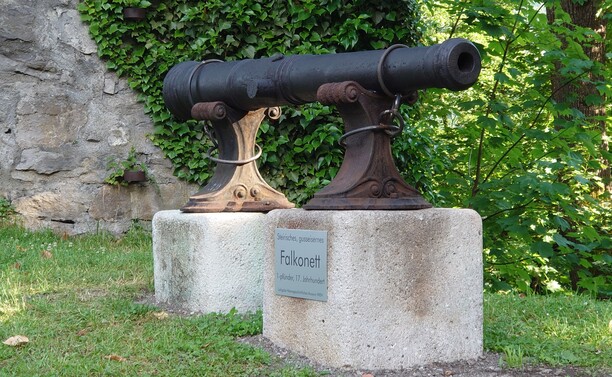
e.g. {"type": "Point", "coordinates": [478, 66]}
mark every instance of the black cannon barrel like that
{"type": "Point", "coordinates": [280, 80]}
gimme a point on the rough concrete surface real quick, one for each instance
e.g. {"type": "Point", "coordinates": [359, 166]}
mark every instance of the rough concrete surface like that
{"type": "Point", "coordinates": [404, 289]}
{"type": "Point", "coordinates": [209, 262]}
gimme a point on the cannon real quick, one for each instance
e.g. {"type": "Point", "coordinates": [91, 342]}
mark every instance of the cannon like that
{"type": "Point", "coordinates": [367, 88]}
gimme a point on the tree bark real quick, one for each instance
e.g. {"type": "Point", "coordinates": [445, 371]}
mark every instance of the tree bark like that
{"type": "Point", "coordinates": [584, 14]}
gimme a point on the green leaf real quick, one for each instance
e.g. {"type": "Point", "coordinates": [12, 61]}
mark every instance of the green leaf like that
{"type": "Point", "coordinates": [561, 223]}
{"type": "Point", "coordinates": [542, 248]}
{"type": "Point", "coordinates": [468, 105]}
{"type": "Point", "coordinates": [590, 233]}
{"type": "Point", "coordinates": [251, 38]}
{"type": "Point", "coordinates": [561, 241]}
{"type": "Point", "coordinates": [249, 52]}
{"type": "Point", "coordinates": [501, 77]}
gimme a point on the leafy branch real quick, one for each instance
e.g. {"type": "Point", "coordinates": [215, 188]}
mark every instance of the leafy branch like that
{"type": "Point", "coordinates": [533, 124]}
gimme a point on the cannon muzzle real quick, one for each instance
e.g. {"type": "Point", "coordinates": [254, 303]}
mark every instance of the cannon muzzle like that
{"type": "Point", "coordinates": [281, 80]}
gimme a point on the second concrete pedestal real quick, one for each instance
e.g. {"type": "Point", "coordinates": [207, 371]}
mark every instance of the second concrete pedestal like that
{"type": "Point", "coordinates": [404, 289]}
{"type": "Point", "coordinates": [209, 262]}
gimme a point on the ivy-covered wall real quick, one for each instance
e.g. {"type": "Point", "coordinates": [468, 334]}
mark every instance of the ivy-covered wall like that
{"type": "Point", "coordinates": [300, 150]}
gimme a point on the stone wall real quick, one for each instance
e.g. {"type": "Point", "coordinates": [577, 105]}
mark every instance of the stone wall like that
{"type": "Point", "coordinates": [62, 117]}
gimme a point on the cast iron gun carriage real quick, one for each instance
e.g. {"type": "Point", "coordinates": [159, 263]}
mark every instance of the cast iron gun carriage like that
{"type": "Point", "coordinates": [367, 87]}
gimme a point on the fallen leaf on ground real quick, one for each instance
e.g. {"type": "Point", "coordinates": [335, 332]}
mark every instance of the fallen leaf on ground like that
{"type": "Point", "coordinates": [367, 375]}
{"type": "Point", "coordinates": [82, 332]}
{"type": "Point", "coordinates": [204, 346]}
{"type": "Point", "coordinates": [17, 265]}
{"type": "Point", "coordinates": [16, 341]}
{"type": "Point", "coordinates": [115, 358]}
{"type": "Point", "coordinates": [46, 254]}
{"type": "Point", "coordinates": [448, 373]}
{"type": "Point", "coordinates": [160, 315]}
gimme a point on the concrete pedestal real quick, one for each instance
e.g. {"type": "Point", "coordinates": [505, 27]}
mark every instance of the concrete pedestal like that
{"type": "Point", "coordinates": [404, 289]}
{"type": "Point", "coordinates": [209, 262]}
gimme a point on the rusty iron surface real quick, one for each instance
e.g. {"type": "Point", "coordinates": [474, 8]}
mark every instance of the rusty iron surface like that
{"type": "Point", "coordinates": [280, 80]}
{"type": "Point", "coordinates": [236, 185]}
{"type": "Point", "coordinates": [368, 178]}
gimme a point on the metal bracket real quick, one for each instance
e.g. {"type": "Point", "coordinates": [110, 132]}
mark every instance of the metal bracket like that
{"type": "Point", "coordinates": [236, 185]}
{"type": "Point", "coordinates": [368, 178]}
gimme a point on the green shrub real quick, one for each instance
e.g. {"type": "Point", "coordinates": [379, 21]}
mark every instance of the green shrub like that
{"type": "Point", "coordinates": [7, 210]}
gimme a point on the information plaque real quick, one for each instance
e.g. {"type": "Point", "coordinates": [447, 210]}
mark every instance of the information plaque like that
{"type": "Point", "coordinates": [301, 263]}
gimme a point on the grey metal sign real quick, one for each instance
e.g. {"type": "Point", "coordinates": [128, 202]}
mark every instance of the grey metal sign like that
{"type": "Point", "coordinates": [301, 263]}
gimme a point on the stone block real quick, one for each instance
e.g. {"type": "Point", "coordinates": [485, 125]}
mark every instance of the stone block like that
{"type": "Point", "coordinates": [209, 262]}
{"type": "Point", "coordinates": [43, 162]}
{"type": "Point", "coordinates": [404, 289]}
{"type": "Point", "coordinates": [57, 210]}
{"type": "Point", "coordinates": [111, 203]}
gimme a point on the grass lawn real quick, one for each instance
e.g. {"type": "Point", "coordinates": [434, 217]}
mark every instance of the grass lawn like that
{"type": "Point", "coordinates": [74, 298]}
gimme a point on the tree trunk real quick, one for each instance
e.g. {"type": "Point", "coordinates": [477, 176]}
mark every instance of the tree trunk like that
{"type": "Point", "coordinates": [585, 16]}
